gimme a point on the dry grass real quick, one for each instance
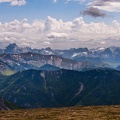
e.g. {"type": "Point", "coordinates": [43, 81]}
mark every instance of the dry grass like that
{"type": "Point", "coordinates": [71, 113]}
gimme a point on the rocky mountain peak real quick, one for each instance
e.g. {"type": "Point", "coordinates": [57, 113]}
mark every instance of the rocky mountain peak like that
{"type": "Point", "coordinates": [11, 48]}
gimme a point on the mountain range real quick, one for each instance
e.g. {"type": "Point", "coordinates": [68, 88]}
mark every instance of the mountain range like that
{"type": "Point", "coordinates": [32, 78]}
{"type": "Point", "coordinates": [80, 54]}
{"type": "Point", "coordinates": [24, 61]}
{"type": "Point", "coordinates": [18, 58]}
{"type": "Point", "coordinates": [60, 88]}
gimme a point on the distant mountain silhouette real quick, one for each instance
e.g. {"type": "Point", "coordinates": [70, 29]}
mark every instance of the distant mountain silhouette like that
{"type": "Point", "coordinates": [48, 67]}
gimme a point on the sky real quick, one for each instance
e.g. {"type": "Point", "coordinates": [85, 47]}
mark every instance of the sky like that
{"type": "Point", "coordinates": [60, 24]}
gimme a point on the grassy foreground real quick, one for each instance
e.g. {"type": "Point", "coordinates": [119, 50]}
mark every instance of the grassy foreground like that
{"type": "Point", "coordinates": [71, 113]}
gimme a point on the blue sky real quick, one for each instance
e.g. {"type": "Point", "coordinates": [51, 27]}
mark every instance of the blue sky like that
{"type": "Point", "coordinates": [98, 20]}
{"type": "Point", "coordinates": [40, 9]}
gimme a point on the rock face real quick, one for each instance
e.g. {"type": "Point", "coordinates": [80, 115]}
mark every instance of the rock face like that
{"type": "Point", "coordinates": [12, 48]}
{"type": "Point", "coordinates": [29, 60]}
{"type": "Point", "coordinates": [36, 88]}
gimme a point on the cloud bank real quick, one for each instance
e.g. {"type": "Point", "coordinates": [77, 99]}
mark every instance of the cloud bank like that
{"type": "Point", "coordinates": [107, 5]}
{"type": "Point", "coordinates": [97, 8]}
{"type": "Point", "coordinates": [59, 34]}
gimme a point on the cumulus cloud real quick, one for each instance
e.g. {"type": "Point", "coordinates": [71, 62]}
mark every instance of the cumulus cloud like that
{"type": "Point", "coordinates": [94, 12]}
{"type": "Point", "coordinates": [59, 34]}
{"type": "Point", "coordinates": [14, 2]}
{"type": "Point", "coordinates": [107, 5]}
{"type": "Point", "coordinates": [115, 23]}
{"type": "Point", "coordinates": [52, 24]}
{"type": "Point", "coordinates": [55, 35]}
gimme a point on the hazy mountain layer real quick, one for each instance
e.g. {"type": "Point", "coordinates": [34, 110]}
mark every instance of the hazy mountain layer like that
{"type": "Point", "coordinates": [29, 60]}
{"type": "Point", "coordinates": [101, 57]}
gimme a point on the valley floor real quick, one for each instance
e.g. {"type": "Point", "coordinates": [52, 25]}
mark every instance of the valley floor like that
{"type": "Point", "coordinates": [71, 113]}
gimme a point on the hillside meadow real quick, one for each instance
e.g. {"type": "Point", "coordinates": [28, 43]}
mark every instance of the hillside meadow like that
{"type": "Point", "coordinates": [70, 113]}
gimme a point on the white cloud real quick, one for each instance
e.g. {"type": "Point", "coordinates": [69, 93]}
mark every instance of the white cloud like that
{"type": "Point", "coordinates": [116, 23]}
{"type": "Point", "coordinates": [103, 42]}
{"type": "Point", "coordinates": [14, 2]}
{"type": "Point", "coordinates": [66, 1]}
{"type": "Point", "coordinates": [57, 33]}
{"type": "Point", "coordinates": [71, 0]}
{"type": "Point", "coordinates": [46, 42]}
{"type": "Point", "coordinates": [52, 24]}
